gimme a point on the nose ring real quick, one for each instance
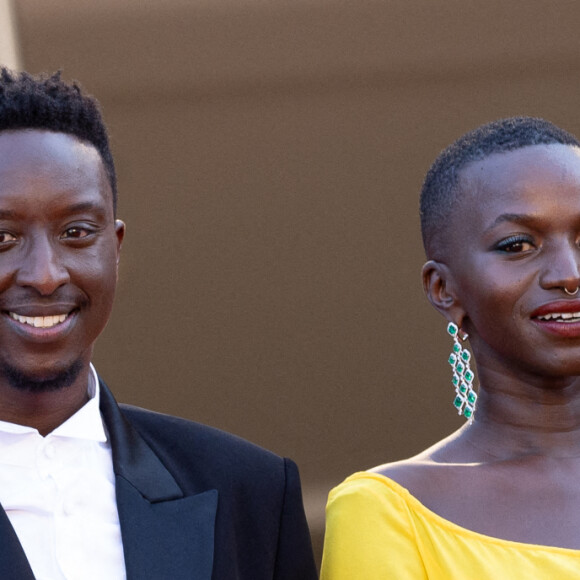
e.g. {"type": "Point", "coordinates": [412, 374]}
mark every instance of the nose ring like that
{"type": "Point", "coordinates": [571, 293]}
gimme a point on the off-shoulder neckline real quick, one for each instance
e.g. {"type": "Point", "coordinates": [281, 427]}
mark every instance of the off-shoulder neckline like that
{"type": "Point", "coordinates": [442, 522]}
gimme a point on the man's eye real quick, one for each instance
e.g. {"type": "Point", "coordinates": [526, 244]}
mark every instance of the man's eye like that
{"type": "Point", "coordinates": [515, 245]}
{"type": "Point", "coordinates": [6, 237]}
{"type": "Point", "coordinates": [75, 233]}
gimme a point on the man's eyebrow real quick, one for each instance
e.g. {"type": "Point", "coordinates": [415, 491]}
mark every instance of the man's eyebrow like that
{"type": "Point", "coordinates": [7, 214]}
{"type": "Point", "coordinates": [80, 207]}
{"type": "Point", "coordinates": [84, 206]}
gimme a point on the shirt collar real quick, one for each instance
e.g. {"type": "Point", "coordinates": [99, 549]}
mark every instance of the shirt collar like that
{"type": "Point", "coordinates": [86, 423]}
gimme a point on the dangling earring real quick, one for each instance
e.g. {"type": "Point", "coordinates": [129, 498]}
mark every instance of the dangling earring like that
{"type": "Point", "coordinates": [465, 396]}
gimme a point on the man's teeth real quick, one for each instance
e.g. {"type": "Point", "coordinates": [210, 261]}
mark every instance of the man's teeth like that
{"type": "Point", "coordinates": [39, 321]}
{"type": "Point", "coordinates": [562, 317]}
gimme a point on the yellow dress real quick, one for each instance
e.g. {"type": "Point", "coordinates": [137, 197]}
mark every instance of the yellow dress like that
{"type": "Point", "coordinates": [375, 529]}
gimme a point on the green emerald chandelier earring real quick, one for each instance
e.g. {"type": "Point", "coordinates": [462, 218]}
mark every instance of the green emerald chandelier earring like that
{"type": "Point", "coordinates": [465, 396]}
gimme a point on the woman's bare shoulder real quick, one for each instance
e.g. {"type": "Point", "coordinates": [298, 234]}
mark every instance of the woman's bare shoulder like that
{"type": "Point", "coordinates": [433, 465]}
{"type": "Point", "coordinates": [411, 473]}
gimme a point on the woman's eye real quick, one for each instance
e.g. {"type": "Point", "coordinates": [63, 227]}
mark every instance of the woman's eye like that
{"type": "Point", "coordinates": [6, 237]}
{"type": "Point", "coordinates": [515, 245]}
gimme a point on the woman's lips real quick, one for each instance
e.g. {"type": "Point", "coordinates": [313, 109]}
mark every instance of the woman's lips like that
{"type": "Point", "coordinates": [559, 307]}
{"type": "Point", "coordinates": [565, 329]}
{"type": "Point", "coordinates": [561, 317]}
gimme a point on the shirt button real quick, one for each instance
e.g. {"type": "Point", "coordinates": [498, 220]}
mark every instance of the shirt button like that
{"type": "Point", "coordinates": [50, 450]}
{"type": "Point", "coordinates": [68, 508]}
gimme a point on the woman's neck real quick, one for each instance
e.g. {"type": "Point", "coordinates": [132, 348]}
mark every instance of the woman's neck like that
{"type": "Point", "coordinates": [526, 415]}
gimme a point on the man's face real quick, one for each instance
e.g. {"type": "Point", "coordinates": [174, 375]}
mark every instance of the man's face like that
{"type": "Point", "coordinates": [59, 250]}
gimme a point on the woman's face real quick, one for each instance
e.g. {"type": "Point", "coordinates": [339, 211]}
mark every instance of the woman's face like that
{"type": "Point", "coordinates": [512, 248]}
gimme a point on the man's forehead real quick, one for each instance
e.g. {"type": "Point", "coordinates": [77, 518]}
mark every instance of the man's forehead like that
{"type": "Point", "coordinates": [35, 158]}
{"type": "Point", "coordinates": [40, 149]}
{"type": "Point", "coordinates": [40, 139]}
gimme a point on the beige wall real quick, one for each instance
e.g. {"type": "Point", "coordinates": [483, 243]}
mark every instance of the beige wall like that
{"type": "Point", "coordinates": [9, 50]}
{"type": "Point", "coordinates": [270, 156]}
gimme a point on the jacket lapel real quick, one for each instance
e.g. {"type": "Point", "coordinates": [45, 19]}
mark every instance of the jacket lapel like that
{"type": "Point", "coordinates": [165, 535]}
{"type": "Point", "coordinates": [13, 562]}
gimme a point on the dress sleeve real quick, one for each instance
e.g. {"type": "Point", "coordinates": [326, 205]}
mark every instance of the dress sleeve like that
{"type": "Point", "coordinates": [369, 534]}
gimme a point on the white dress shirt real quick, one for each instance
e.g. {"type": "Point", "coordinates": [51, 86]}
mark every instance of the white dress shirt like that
{"type": "Point", "coordinates": [59, 494]}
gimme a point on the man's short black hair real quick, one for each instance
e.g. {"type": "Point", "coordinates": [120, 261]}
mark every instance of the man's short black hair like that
{"type": "Point", "coordinates": [46, 102]}
{"type": "Point", "coordinates": [441, 187]}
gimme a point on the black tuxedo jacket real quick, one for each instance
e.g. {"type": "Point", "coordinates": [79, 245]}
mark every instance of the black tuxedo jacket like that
{"type": "Point", "coordinates": [194, 503]}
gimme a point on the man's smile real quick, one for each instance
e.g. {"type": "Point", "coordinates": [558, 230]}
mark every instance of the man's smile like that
{"type": "Point", "coordinates": [39, 321]}
{"type": "Point", "coordinates": [37, 326]}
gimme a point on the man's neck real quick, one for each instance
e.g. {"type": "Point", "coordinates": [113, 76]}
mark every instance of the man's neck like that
{"type": "Point", "coordinates": [44, 411]}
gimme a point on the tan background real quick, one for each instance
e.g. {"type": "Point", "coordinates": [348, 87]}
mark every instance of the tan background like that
{"type": "Point", "coordinates": [270, 154]}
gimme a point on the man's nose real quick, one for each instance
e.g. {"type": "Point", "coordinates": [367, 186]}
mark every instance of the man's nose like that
{"type": "Point", "coordinates": [42, 266]}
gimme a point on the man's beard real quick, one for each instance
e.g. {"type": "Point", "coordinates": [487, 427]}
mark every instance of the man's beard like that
{"type": "Point", "coordinates": [54, 382]}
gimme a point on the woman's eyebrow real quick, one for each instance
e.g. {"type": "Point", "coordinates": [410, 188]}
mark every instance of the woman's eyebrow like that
{"type": "Point", "coordinates": [518, 218]}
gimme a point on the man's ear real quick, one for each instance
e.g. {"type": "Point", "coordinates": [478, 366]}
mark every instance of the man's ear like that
{"type": "Point", "coordinates": [439, 287]}
{"type": "Point", "coordinates": [120, 233]}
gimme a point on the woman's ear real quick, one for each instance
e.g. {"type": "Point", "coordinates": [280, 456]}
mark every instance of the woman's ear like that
{"type": "Point", "coordinates": [439, 288]}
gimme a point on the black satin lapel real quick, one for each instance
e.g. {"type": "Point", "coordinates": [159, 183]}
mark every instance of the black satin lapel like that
{"type": "Point", "coordinates": [165, 535]}
{"type": "Point", "coordinates": [133, 459]}
{"type": "Point", "coordinates": [13, 562]}
{"type": "Point", "coordinates": [169, 539]}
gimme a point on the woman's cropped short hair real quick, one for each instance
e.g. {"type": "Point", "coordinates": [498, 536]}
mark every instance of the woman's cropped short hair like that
{"type": "Point", "coordinates": [441, 186]}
